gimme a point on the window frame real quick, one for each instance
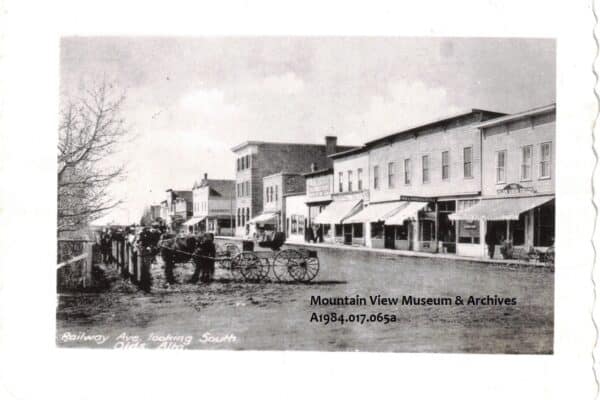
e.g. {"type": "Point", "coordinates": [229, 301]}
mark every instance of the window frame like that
{"type": "Point", "coordinates": [407, 171]}
{"type": "Point", "coordinates": [391, 174]}
{"type": "Point", "coordinates": [468, 163]}
{"type": "Point", "coordinates": [349, 173]}
{"type": "Point", "coordinates": [499, 168]}
{"type": "Point", "coordinates": [446, 165]}
{"type": "Point", "coordinates": [548, 161]}
{"type": "Point", "coordinates": [341, 182]}
{"type": "Point", "coordinates": [530, 164]}
{"type": "Point", "coordinates": [376, 177]}
{"type": "Point", "coordinates": [425, 168]}
{"type": "Point", "coordinates": [359, 179]}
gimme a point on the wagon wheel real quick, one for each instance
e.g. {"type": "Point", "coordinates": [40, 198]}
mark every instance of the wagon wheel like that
{"type": "Point", "coordinates": [285, 262]}
{"type": "Point", "coordinates": [249, 266]}
{"type": "Point", "coordinates": [226, 253]}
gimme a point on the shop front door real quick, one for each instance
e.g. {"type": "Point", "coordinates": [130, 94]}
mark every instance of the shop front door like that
{"type": "Point", "coordinates": [389, 237]}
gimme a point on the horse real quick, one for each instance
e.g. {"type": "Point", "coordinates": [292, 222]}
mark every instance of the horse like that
{"type": "Point", "coordinates": [181, 249]}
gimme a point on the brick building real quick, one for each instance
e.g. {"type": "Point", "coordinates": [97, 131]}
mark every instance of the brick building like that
{"type": "Point", "coordinates": [256, 160]}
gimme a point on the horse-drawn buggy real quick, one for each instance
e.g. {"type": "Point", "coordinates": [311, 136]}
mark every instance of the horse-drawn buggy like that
{"type": "Point", "coordinates": [288, 265]}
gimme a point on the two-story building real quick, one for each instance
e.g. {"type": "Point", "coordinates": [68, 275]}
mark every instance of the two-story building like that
{"type": "Point", "coordinates": [517, 184]}
{"type": "Point", "coordinates": [177, 207]}
{"type": "Point", "coordinates": [350, 180]}
{"type": "Point", "coordinates": [273, 217]}
{"type": "Point", "coordinates": [411, 181]}
{"type": "Point", "coordinates": [213, 207]}
{"type": "Point", "coordinates": [256, 160]}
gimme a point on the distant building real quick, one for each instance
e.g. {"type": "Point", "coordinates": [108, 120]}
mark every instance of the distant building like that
{"type": "Point", "coordinates": [177, 207]}
{"type": "Point", "coordinates": [256, 160]}
{"type": "Point", "coordinates": [155, 211]}
{"type": "Point", "coordinates": [213, 204]}
{"type": "Point", "coordinates": [274, 218]}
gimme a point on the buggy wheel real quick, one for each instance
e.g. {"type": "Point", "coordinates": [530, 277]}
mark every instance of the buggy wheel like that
{"type": "Point", "coordinates": [285, 262]}
{"type": "Point", "coordinates": [249, 267]}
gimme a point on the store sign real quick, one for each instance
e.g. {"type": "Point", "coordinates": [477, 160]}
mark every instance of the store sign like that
{"type": "Point", "coordinates": [515, 188]}
{"type": "Point", "coordinates": [417, 198]}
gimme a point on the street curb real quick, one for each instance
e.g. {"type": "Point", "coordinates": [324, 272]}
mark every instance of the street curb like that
{"type": "Point", "coordinates": [403, 253]}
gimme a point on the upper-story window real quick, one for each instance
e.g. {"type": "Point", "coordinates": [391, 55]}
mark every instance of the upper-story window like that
{"type": "Point", "coordinates": [545, 159]}
{"type": "Point", "coordinates": [445, 165]}
{"type": "Point", "coordinates": [391, 175]}
{"type": "Point", "coordinates": [501, 166]}
{"type": "Point", "coordinates": [407, 171]}
{"type": "Point", "coordinates": [238, 164]}
{"type": "Point", "coordinates": [425, 168]}
{"type": "Point", "coordinates": [341, 181]}
{"type": "Point", "coordinates": [247, 160]}
{"type": "Point", "coordinates": [349, 181]}
{"type": "Point", "coordinates": [359, 179]}
{"type": "Point", "coordinates": [468, 162]}
{"type": "Point", "coordinates": [276, 193]}
{"type": "Point", "coordinates": [376, 177]}
{"type": "Point", "coordinates": [526, 160]}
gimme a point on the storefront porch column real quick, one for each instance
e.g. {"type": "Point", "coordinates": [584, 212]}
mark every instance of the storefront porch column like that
{"type": "Point", "coordinates": [416, 237]}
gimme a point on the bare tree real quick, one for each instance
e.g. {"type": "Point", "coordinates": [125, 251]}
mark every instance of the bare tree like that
{"type": "Point", "coordinates": [91, 127]}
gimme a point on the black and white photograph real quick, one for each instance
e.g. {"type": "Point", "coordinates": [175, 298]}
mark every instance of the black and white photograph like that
{"type": "Point", "coordinates": [299, 193]}
{"type": "Point", "coordinates": [299, 200]}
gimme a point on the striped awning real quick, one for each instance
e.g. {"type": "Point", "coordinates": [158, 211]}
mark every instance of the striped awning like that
{"type": "Point", "coordinates": [375, 212]}
{"type": "Point", "coordinates": [500, 209]}
{"type": "Point", "coordinates": [337, 211]}
{"type": "Point", "coordinates": [409, 211]}
{"type": "Point", "coordinates": [193, 221]}
{"type": "Point", "coordinates": [263, 218]}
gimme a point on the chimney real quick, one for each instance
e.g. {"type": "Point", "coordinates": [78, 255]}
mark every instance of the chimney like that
{"type": "Point", "coordinates": [313, 167]}
{"type": "Point", "coordinates": [330, 145]}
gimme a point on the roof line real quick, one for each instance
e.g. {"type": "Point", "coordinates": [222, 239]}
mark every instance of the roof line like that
{"type": "Point", "coordinates": [512, 117]}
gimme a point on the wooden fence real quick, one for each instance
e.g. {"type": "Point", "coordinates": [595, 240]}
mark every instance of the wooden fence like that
{"type": "Point", "coordinates": [133, 263]}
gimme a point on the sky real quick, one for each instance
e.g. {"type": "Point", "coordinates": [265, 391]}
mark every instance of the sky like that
{"type": "Point", "coordinates": [190, 100]}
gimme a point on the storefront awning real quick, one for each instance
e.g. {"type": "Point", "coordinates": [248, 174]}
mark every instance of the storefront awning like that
{"type": "Point", "coordinates": [337, 211]}
{"type": "Point", "coordinates": [193, 221]}
{"type": "Point", "coordinates": [410, 211]}
{"type": "Point", "coordinates": [375, 212]}
{"type": "Point", "coordinates": [263, 218]}
{"type": "Point", "coordinates": [500, 209]}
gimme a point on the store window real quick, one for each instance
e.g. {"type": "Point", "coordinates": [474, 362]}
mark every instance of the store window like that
{"type": "Point", "coordinates": [339, 230]}
{"type": "Point", "coordinates": [545, 149]}
{"type": "Point", "coordinates": [427, 230]}
{"type": "Point", "coordinates": [300, 220]}
{"type": "Point", "coordinates": [544, 225]}
{"type": "Point", "coordinates": [357, 230]}
{"type": "Point", "coordinates": [445, 165]}
{"type": "Point", "coordinates": [468, 162]}
{"type": "Point", "coordinates": [294, 229]}
{"type": "Point", "coordinates": [501, 166]}
{"type": "Point", "coordinates": [402, 231]}
{"type": "Point", "coordinates": [518, 230]}
{"type": "Point", "coordinates": [526, 159]}
{"type": "Point", "coordinates": [377, 230]}
{"type": "Point", "coordinates": [468, 232]}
